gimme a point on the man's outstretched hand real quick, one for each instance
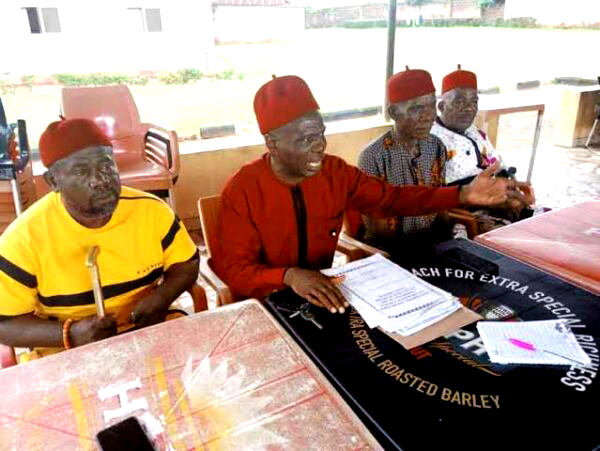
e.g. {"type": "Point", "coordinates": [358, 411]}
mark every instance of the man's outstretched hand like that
{"type": "Point", "coordinates": [526, 190]}
{"type": "Point", "coordinates": [485, 189]}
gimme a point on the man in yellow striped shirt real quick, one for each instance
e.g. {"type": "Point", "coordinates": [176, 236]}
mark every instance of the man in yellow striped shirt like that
{"type": "Point", "coordinates": [146, 259]}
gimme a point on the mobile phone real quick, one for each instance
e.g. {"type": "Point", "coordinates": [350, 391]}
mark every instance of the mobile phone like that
{"type": "Point", "coordinates": [492, 311]}
{"type": "Point", "coordinates": [127, 435]}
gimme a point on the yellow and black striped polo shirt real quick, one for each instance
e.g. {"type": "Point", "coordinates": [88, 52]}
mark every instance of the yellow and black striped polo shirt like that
{"type": "Point", "coordinates": [43, 253]}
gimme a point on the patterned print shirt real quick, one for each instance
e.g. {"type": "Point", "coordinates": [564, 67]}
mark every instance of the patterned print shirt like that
{"type": "Point", "coordinates": [467, 154]}
{"type": "Point", "coordinates": [386, 159]}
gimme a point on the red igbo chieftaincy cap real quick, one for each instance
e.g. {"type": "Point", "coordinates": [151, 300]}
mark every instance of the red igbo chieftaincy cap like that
{"type": "Point", "coordinates": [409, 84]}
{"type": "Point", "coordinates": [282, 100]}
{"type": "Point", "coordinates": [62, 138]}
{"type": "Point", "coordinates": [459, 79]}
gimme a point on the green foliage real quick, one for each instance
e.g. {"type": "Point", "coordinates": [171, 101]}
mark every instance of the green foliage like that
{"type": "Point", "coordinates": [28, 80]}
{"type": "Point", "coordinates": [181, 77]}
{"type": "Point", "coordinates": [170, 78]}
{"type": "Point", "coordinates": [98, 79]}
{"type": "Point", "coordinates": [101, 79]}
{"type": "Point", "coordinates": [191, 74]}
{"type": "Point", "coordinates": [68, 79]}
{"type": "Point", "coordinates": [516, 22]}
{"type": "Point", "coordinates": [178, 77]}
{"type": "Point", "coordinates": [138, 81]}
{"type": "Point", "coordinates": [361, 24]}
{"type": "Point", "coordinates": [469, 22]}
{"type": "Point", "coordinates": [229, 74]}
{"type": "Point", "coordinates": [185, 76]}
{"type": "Point", "coordinates": [6, 88]}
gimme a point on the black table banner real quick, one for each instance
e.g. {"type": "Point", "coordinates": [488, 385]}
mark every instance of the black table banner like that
{"type": "Point", "coordinates": [447, 394]}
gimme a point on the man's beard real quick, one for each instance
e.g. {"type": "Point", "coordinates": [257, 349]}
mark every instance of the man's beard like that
{"type": "Point", "coordinates": [102, 210]}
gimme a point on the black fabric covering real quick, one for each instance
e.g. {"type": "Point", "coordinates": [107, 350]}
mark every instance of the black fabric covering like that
{"type": "Point", "coordinates": [537, 409]}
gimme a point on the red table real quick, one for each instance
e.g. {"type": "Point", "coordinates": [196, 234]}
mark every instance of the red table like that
{"type": "Point", "coordinates": [230, 378]}
{"type": "Point", "coordinates": [564, 242]}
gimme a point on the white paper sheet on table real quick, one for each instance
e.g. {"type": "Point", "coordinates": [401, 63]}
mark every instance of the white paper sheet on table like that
{"type": "Point", "coordinates": [387, 295]}
{"type": "Point", "coordinates": [550, 335]}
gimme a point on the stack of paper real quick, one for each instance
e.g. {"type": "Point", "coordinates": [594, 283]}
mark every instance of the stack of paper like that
{"type": "Point", "coordinates": [388, 296]}
{"type": "Point", "coordinates": [546, 342]}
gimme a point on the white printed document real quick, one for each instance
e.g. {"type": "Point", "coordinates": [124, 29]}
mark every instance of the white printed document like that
{"type": "Point", "coordinates": [545, 342]}
{"type": "Point", "coordinates": [386, 295]}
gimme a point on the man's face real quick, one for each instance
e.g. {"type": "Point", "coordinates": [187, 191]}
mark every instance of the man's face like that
{"type": "Point", "coordinates": [458, 108]}
{"type": "Point", "coordinates": [88, 182]}
{"type": "Point", "coordinates": [298, 148]}
{"type": "Point", "coordinates": [414, 118]}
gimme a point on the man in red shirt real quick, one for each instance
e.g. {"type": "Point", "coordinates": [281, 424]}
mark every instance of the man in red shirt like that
{"type": "Point", "coordinates": [281, 215]}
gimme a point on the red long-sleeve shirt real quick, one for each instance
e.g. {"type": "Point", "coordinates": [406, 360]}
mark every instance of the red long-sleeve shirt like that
{"type": "Point", "coordinates": [266, 226]}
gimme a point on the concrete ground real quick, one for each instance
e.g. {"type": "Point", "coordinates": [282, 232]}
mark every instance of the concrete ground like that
{"type": "Point", "coordinates": [561, 176]}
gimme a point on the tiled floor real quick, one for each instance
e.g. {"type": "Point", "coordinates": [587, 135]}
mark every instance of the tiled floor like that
{"type": "Point", "coordinates": [561, 176]}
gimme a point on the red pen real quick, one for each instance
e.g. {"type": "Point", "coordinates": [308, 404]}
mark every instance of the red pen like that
{"type": "Point", "coordinates": [530, 347]}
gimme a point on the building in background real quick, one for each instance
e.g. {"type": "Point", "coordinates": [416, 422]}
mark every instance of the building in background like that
{"type": "Point", "coordinates": [555, 12]}
{"type": "Point", "coordinates": [248, 21]}
{"type": "Point", "coordinates": [439, 9]}
{"type": "Point", "coordinates": [407, 11]}
{"type": "Point", "coordinates": [58, 36]}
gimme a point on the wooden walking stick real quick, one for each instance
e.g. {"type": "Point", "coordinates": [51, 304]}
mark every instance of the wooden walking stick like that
{"type": "Point", "coordinates": [92, 264]}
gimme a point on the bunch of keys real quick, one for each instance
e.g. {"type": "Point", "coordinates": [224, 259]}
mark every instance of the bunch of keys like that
{"type": "Point", "coordinates": [306, 314]}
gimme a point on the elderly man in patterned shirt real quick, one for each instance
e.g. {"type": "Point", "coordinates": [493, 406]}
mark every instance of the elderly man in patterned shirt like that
{"type": "Point", "coordinates": [407, 155]}
{"type": "Point", "coordinates": [468, 149]}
